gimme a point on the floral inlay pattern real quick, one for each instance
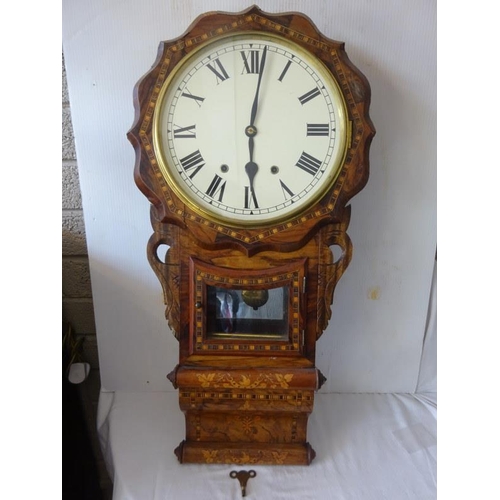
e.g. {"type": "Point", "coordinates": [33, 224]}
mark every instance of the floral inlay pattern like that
{"type": "Point", "coordinates": [262, 381]}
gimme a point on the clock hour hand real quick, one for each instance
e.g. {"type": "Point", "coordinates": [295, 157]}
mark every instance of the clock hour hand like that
{"type": "Point", "coordinates": [251, 169]}
{"type": "Point", "coordinates": [250, 148]}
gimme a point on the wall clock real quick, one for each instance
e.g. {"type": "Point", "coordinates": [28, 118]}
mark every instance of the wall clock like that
{"type": "Point", "coordinates": [251, 135]}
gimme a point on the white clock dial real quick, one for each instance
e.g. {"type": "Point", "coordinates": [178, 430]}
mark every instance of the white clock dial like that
{"type": "Point", "coordinates": [251, 129]}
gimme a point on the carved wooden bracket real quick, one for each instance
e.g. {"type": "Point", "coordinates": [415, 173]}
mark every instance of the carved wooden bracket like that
{"type": "Point", "coordinates": [172, 376]}
{"type": "Point", "coordinates": [167, 269]}
{"type": "Point", "coordinates": [332, 268]}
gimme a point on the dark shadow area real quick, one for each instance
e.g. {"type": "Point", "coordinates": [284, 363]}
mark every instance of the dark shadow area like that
{"type": "Point", "coordinates": [80, 479]}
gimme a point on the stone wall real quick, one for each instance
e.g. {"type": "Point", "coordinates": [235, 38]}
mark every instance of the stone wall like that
{"type": "Point", "coordinates": [77, 305]}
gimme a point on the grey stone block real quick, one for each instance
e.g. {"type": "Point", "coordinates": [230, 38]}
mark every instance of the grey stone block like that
{"type": "Point", "coordinates": [76, 277]}
{"type": "Point", "coordinates": [68, 140]}
{"type": "Point", "coordinates": [65, 95]}
{"type": "Point", "coordinates": [80, 314]}
{"type": "Point", "coordinates": [73, 234]}
{"type": "Point", "coordinates": [71, 196]}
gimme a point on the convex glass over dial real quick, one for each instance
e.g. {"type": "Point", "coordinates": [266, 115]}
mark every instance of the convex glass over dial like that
{"type": "Point", "coordinates": [251, 129]}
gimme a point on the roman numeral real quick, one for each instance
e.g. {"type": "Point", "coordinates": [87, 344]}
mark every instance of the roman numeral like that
{"type": "Point", "coordinates": [185, 132]}
{"type": "Point", "coordinates": [250, 197]}
{"type": "Point", "coordinates": [283, 73]}
{"type": "Point", "coordinates": [309, 95]}
{"type": "Point", "coordinates": [317, 129]}
{"type": "Point", "coordinates": [216, 187]}
{"type": "Point", "coordinates": [197, 99]}
{"type": "Point", "coordinates": [193, 162]}
{"type": "Point", "coordinates": [308, 163]}
{"type": "Point", "coordinates": [250, 62]}
{"type": "Point", "coordinates": [287, 192]}
{"type": "Point", "coordinates": [220, 75]}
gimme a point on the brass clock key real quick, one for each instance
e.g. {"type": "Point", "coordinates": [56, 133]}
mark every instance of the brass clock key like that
{"type": "Point", "coordinates": [243, 476]}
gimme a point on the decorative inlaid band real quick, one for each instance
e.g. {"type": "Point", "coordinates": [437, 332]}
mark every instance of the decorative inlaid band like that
{"type": "Point", "coordinates": [297, 397]}
{"type": "Point", "coordinates": [294, 428]}
{"type": "Point", "coordinates": [249, 401]}
{"type": "Point", "coordinates": [275, 280]}
{"type": "Point", "coordinates": [289, 31]}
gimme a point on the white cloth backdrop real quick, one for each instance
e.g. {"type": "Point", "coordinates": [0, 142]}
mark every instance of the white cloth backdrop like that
{"type": "Point", "coordinates": [369, 447]}
{"type": "Point", "coordinates": [374, 340]}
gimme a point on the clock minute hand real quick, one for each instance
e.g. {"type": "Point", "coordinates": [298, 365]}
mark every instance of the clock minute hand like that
{"type": "Point", "coordinates": [251, 131]}
{"type": "Point", "coordinates": [256, 98]}
{"type": "Point", "coordinates": [251, 167]}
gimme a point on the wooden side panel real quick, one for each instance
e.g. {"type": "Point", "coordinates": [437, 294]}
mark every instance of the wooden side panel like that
{"type": "Point", "coordinates": [246, 427]}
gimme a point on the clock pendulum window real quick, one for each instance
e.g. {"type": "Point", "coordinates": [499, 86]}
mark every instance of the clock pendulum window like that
{"type": "Point", "coordinates": [251, 135]}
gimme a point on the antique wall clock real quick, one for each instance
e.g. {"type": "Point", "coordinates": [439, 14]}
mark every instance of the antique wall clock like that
{"type": "Point", "coordinates": [251, 135]}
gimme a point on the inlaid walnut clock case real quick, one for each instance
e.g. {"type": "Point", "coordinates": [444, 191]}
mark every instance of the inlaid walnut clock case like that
{"type": "Point", "coordinates": [251, 136]}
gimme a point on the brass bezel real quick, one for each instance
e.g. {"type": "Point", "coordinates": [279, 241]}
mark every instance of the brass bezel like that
{"type": "Point", "coordinates": [345, 137]}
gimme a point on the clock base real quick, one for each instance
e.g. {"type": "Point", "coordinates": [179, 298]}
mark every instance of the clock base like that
{"type": "Point", "coordinates": [244, 453]}
{"type": "Point", "coordinates": [246, 415]}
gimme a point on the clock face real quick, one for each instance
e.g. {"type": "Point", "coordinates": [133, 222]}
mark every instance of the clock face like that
{"type": "Point", "coordinates": [251, 129]}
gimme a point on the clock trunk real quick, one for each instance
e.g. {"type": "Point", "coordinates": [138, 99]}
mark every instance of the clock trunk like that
{"type": "Point", "coordinates": [247, 380]}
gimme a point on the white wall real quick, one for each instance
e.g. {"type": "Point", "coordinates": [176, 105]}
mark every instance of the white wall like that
{"type": "Point", "coordinates": [374, 340]}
